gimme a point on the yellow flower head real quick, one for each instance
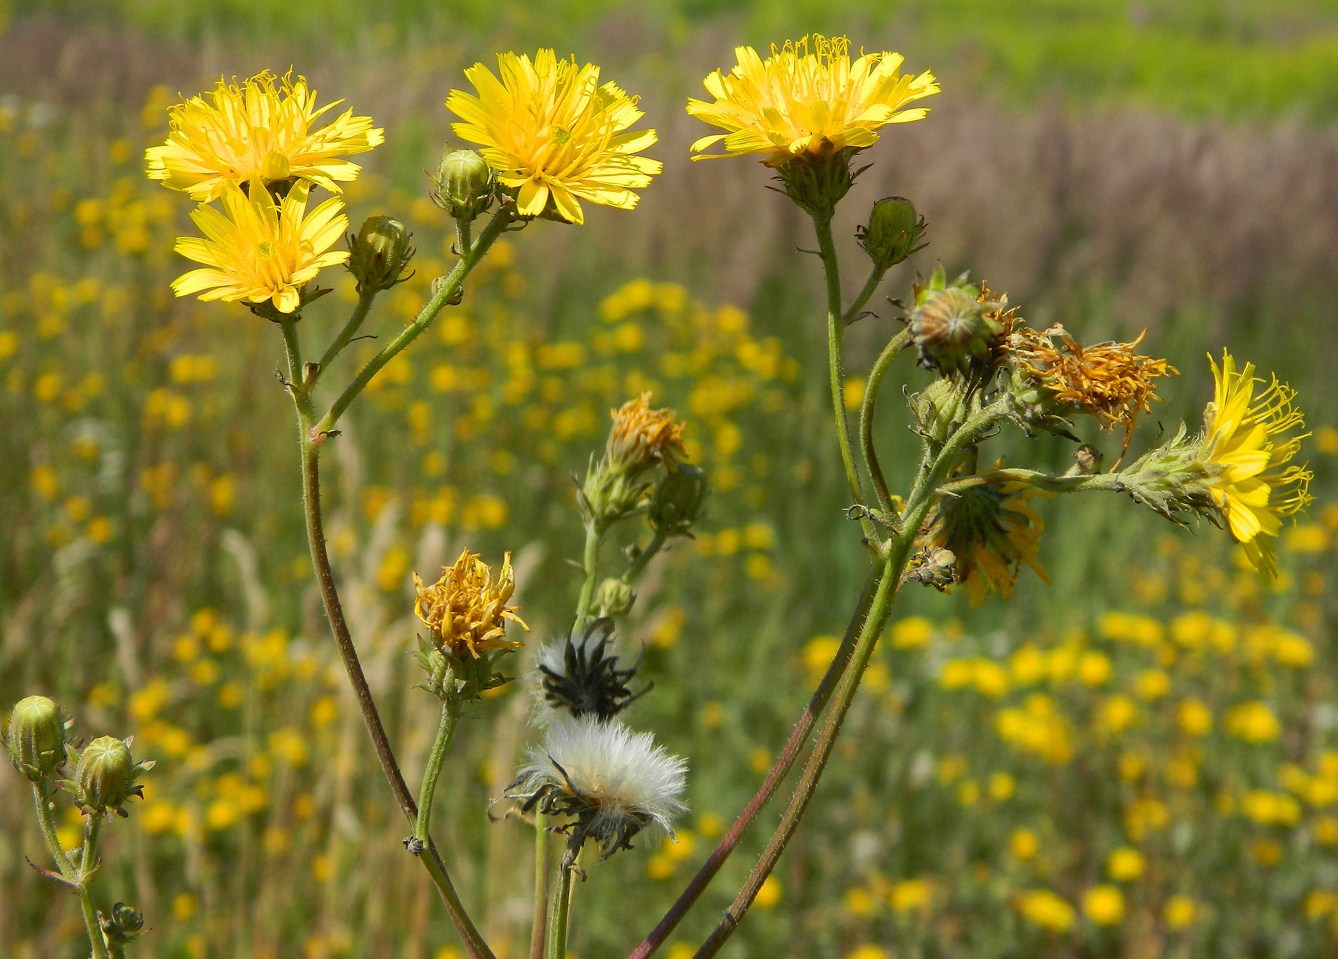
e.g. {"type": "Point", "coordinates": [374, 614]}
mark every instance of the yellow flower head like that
{"type": "Point", "coordinates": [642, 437]}
{"type": "Point", "coordinates": [554, 134]}
{"type": "Point", "coordinates": [992, 530]}
{"type": "Point", "coordinates": [1249, 442]}
{"type": "Point", "coordinates": [799, 102]}
{"type": "Point", "coordinates": [466, 610]}
{"type": "Point", "coordinates": [257, 249]}
{"type": "Point", "coordinates": [1109, 380]}
{"type": "Point", "coordinates": [260, 129]}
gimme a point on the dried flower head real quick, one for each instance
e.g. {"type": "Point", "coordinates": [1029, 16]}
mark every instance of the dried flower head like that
{"type": "Point", "coordinates": [807, 98]}
{"type": "Point", "coordinates": [1109, 380]}
{"type": "Point", "coordinates": [259, 129]}
{"type": "Point", "coordinates": [642, 437]}
{"type": "Point", "coordinates": [466, 611]}
{"type": "Point", "coordinates": [554, 134]}
{"type": "Point", "coordinates": [612, 781]}
{"type": "Point", "coordinates": [583, 677]}
{"type": "Point", "coordinates": [992, 531]}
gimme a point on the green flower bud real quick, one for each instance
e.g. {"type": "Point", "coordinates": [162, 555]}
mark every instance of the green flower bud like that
{"type": "Point", "coordinates": [939, 409]}
{"type": "Point", "coordinates": [893, 233]}
{"type": "Point", "coordinates": [614, 597]}
{"type": "Point", "coordinates": [124, 925]}
{"type": "Point", "coordinates": [464, 185]}
{"type": "Point", "coordinates": [107, 776]}
{"type": "Point", "coordinates": [380, 253]}
{"type": "Point", "coordinates": [37, 737]}
{"type": "Point", "coordinates": [677, 500]}
{"type": "Point", "coordinates": [955, 327]}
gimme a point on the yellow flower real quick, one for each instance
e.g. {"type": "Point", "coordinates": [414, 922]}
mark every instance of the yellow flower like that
{"type": "Point", "coordinates": [992, 530]}
{"type": "Point", "coordinates": [1247, 448]}
{"type": "Point", "coordinates": [554, 134]}
{"type": "Point", "coordinates": [800, 102]}
{"type": "Point", "coordinates": [257, 250]}
{"type": "Point", "coordinates": [466, 610]}
{"type": "Point", "coordinates": [1104, 905]}
{"type": "Point", "coordinates": [260, 129]}
{"type": "Point", "coordinates": [1046, 909]}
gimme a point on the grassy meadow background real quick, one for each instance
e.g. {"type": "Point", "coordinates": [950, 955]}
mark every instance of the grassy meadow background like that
{"type": "Point", "coordinates": [1139, 759]}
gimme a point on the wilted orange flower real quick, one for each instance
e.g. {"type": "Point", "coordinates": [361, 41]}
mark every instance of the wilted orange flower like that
{"type": "Point", "coordinates": [642, 437]}
{"type": "Point", "coordinates": [1109, 380]}
{"type": "Point", "coordinates": [993, 531]}
{"type": "Point", "coordinates": [466, 611]}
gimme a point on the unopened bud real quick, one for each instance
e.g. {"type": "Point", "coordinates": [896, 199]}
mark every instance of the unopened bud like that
{"type": "Point", "coordinates": [107, 775]}
{"type": "Point", "coordinates": [464, 185]}
{"type": "Point", "coordinates": [894, 231]}
{"type": "Point", "coordinates": [380, 253]}
{"type": "Point", "coordinates": [614, 597]}
{"type": "Point", "coordinates": [36, 737]}
{"type": "Point", "coordinates": [953, 325]}
{"type": "Point", "coordinates": [677, 500]}
{"type": "Point", "coordinates": [124, 925]}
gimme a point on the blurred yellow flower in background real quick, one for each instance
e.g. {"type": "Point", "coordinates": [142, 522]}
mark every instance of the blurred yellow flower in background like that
{"type": "Point", "coordinates": [260, 129]}
{"type": "Point", "coordinates": [554, 134]}
{"type": "Point", "coordinates": [801, 100]}
{"type": "Point", "coordinates": [256, 249]}
{"type": "Point", "coordinates": [1253, 485]}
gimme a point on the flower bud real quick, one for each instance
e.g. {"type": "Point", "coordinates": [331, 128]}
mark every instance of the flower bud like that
{"type": "Point", "coordinates": [894, 232]}
{"type": "Point", "coordinates": [380, 253]}
{"type": "Point", "coordinates": [463, 185]}
{"type": "Point", "coordinates": [953, 329]}
{"type": "Point", "coordinates": [677, 500]}
{"type": "Point", "coordinates": [614, 597]}
{"type": "Point", "coordinates": [124, 925]}
{"type": "Point", "coordinates": [107, 776]}
{"type": "Point", "coordinates": [36, 737]}
{"type": "Point", "coordinates": [939, 409]}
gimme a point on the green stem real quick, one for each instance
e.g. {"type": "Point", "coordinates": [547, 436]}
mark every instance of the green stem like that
{"type": "Point", "coordinates": [309, 447]}
{"type": "Point", "coordinates": [47, 824]}
{"type": "Point", "coordinates": [785, 760]}
{"type": "Point", "coordinates": [638, 565]}
{"type": "Point", "coordinates": [88, 857]}
{"type": "Point", "coordinates": [590, 563]}
{"type": "Point", "coordinates": [542, 863]}
{"type": "Point", "coordinates": [880, 368]}
{"type": "Point", "coordinates": [436, 760]}
{"type": "Point", "coordinates": [560, 915]}
{"type": "Point", "coordinates": [446, 291]}
{"type": "Point", "coordinates": [1110, 482]}
{"type": "Point", "coordinates": [822, 226]}
{"type": "Point", "coordinates": [360, 311]}
{"type": "Point", "coordinates": [879, 611]}
{"type": "Point", "coordinates": [889, 582]}
{"type": "Point", "coordinates": [870, 286]}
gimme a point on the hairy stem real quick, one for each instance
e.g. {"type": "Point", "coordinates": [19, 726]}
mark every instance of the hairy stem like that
{"type": "Point", "coordinates": [348, 653]}
{"type": "Point", "coordinates": [560, 915]}
{"type": "Point", "coordinates": [822, 226]}
{"type": "Point", "coordinates": [445, 291]}
{"type": "Point", "coordinates": [784, 762]}
{"type": "Point", "coordinates": [436, 760]}
{"type": "Point", "coordinates": [880, 367]}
